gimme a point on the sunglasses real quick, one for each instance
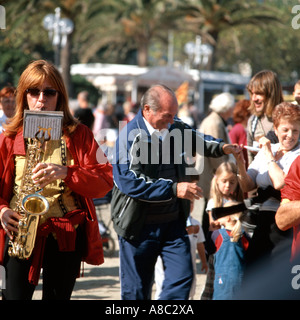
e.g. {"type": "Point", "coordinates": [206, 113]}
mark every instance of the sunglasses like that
{"type": "Point", "coordinates": [35, 92]}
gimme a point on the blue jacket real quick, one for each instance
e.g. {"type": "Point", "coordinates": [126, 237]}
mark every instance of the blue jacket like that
{"type": "Point", "coordinates": [135, 167]}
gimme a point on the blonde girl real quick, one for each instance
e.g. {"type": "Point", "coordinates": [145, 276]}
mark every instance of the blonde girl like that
{"type": "Point", "coordinates": [224, 187]}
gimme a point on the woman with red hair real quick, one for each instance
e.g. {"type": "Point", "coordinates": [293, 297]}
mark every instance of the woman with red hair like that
{"type": "Point", "coordinates": [69, 173]}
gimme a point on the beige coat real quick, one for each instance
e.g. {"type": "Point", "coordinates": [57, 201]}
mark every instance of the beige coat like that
{"type": "Point", "coordinates": [212, 125]}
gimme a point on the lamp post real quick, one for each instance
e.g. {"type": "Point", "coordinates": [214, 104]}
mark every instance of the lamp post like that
{"type": "Point", "coordinates": [199, 54]}
{"type": "Point", "coordinates": [59, 29]}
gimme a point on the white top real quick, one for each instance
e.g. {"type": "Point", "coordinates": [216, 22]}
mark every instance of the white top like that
{"type": "Point", "coordinates": [258, 171]}
{"type": "Point", "coordinates": [3, 118]}
{"type": "Point", "coordinates": [196, 237]}
{"type": "Point", "coordinates": [211, 204]}
{"type": "Point", "coordinates": [163, 133]}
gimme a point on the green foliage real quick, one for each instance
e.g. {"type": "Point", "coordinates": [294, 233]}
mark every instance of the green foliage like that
{"type": "Point", "coordinates": [114, 31]}
{"type": "Point", "coordinates": [12, 63]}
{"type": "Point", "coordinates": [79, 83]}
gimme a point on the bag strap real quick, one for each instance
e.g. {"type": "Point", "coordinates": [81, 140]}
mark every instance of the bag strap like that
{"type": "Point", "coordinates": [62, 184]}
{"type": "Point", "coordinates": [254, 125]}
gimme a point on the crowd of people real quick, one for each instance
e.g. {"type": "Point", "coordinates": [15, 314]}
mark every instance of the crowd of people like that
{"type": "Point", "coordinates": [271, 127]}
{"type": "Point", "coordinates": [154, 195]}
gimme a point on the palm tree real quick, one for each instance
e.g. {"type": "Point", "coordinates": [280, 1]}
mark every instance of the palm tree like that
{"type": "Point", "coordinates": [210, 17]}
{"type": "Point", "coordinates": [119, 26]}
{"type": "Point", "coordinates": [24, 15]}
{"type": "Point", "coordinates": [129, 24]}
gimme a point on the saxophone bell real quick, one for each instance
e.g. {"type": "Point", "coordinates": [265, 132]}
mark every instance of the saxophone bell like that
{"type": "Point", "coordinates": [35, 204]}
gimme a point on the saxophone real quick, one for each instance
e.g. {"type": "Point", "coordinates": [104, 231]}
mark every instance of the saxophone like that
{"type": "Point", "coordinates": [30, 203]}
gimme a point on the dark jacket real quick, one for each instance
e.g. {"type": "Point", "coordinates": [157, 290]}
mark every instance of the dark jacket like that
{"type": "Point", "coordinates": [135, 168]}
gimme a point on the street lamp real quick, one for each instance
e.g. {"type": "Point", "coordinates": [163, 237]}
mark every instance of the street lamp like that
{"type": "Point", "coordinates": [58, 29]}
{"type": "Point", "coordinates": [198, 52]}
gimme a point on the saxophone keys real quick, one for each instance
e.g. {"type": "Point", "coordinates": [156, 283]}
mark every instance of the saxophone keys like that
{"type": "Point", "coordinates": [22, 224]}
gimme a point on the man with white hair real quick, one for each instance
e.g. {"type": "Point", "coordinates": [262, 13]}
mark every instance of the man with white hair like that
{"type": "Point", "coordinates": [151, 196]}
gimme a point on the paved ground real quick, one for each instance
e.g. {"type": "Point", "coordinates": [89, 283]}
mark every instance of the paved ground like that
{"type": "Point", "coordinates": [102, 282]}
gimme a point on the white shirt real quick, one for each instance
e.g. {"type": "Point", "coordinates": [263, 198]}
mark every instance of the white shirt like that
{"type": "Point", "coordinates": [3, 118]}
{"type": "Point", "coordinates": [211, 204]}
{"type": "Point", "coordinates": [258, 171]}
{"type": "Point", "coordinates": [163, 133]}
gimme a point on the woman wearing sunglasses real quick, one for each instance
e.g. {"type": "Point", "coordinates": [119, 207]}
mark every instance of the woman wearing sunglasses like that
{"type": "Point", "coordinates": [69, 175]}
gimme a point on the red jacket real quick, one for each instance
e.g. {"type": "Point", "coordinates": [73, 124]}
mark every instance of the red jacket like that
{"type": "Point", "coordinates": [291, 191]}
{"type": "Point", "coordinates": [87, 178]}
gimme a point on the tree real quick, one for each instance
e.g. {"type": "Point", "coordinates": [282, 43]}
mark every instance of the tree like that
{"type": "Point", "coordinates": [211, 17]}
{"type": "Point", "coordinates": [131, 24]}
{"type": "Point", "coordinates": [28, 15]}
{"type": "Point", "coordinates": [240, 30]}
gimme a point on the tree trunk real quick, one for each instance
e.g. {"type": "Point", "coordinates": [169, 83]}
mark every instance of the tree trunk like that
{"type": "Point", "coordinates": [65, 65]}
{"type": "Point", "coordinates": [142, 55]}
{"type": "Point", "coordinates": [212, 62]}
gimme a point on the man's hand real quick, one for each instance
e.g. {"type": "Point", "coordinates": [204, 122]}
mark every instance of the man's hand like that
{"type": "Point", "coordinates": [188, 190]}
{"type": "Point", "coordinates": [232, 148]}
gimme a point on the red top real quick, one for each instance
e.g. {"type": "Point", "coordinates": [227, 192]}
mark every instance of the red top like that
{"type": "Point", "coordinates": [238, 135]}
{"type": "Point", "coordinates": [291, 191]}
{"type": "Point", "coordinates": [87, 178]}
{"type": "Point", "coordinates": [218, 239]}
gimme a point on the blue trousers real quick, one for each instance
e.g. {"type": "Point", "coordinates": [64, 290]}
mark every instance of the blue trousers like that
{"type": "Point", "coordinates": [138, 258]}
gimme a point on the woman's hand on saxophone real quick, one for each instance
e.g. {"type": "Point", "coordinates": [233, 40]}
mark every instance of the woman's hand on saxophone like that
{"type": "Point", "coordinates": [9, 221]}
{"type": "Point", "coordinates": [45, 173]}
